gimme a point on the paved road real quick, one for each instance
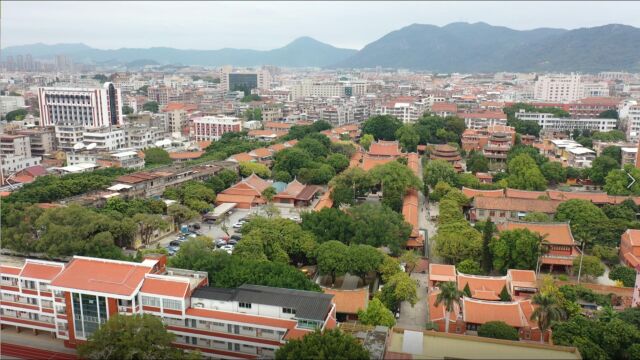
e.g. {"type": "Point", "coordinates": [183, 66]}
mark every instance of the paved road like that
{"type": "Point", "coordinates": [415, 317]}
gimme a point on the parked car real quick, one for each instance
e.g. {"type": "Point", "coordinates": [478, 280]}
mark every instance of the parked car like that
{"type": "Point", "coordinates": [195, 226]}
{"type": "Point", "coordinates": [238, 225]}
{"type": "Point", "coordinates": [236, 237]}
{"type": "Point", "coordinates": [232, 242]}
{"type": "Point", "coordinates": [295, 218]}
{"type": "Point", "coordinates": [221, 242]}
{"type": "Point", "coordinates": [227, 248]}
{"type": "Point", "coordinates": [176, 243]}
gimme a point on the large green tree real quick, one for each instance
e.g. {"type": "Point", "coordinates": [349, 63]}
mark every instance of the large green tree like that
{"type": "Point", "coordinates": [394, 180]}
{"type": "Point", "coordinates": [333, 259]}
{"type": "Point", "coordinates": [377, 225]}
{"type": "Point", "coordinates": [477, 162]}
{"type": "Point", "coordinates": [516, 249]}
{"type": "Point", "coordinates": [624, 274]}
{"type": "Point", "coordinates": [382, 127]}
{"type": "Point", "coordinates": [440, 170]}
{"type": "Point", "coordinates": [281, 239]}
{"type": "Point", "coordinates": [525, 174]}
{"type": "Point", "coordinates": [330, 344]}
{"type": "Point", "coordinates": [350, 184]}
{"type": "Point", "coordinates": [601, 167]}
{"type": "Point", "coordinates": [364, 259]}
{"type": "Point", "coordinates": [554, 172]}
{"type": "Point", "coordinates": [408, 137]}
{"type": "Point", "coordinates": [131, 337]}
{"type": "Point", "coordinates": [328, 224]}
{"type": "Point", "coordinates": [584, 217]}
{"type": "Point", "coordinates": [376, 314]}
{"type": "Point", "coordinates": [620, 182]}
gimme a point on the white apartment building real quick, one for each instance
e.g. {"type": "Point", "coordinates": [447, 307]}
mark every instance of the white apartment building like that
{"type": "Point", "coordinates": [550, 122]}
{"type": "Point", "coordinates": [594, 89]}
{"type": "Point", "coordinates": [629, 113]}
{"type": "Point", "coordinates": [344, 114]}
{"type": "Point", "coordinates": [558, 88]}
{"type": "Point", "coordinates": [106, 139]}
{"type": "Point", "coordinates": [126, 159]}
{"type": "Point", "coordinates": [10, 103]}
{"type": "Point", "coordinates": [405, 110]}
{"type": "Point", "coordinates": [483, 120]}
{"type": "Point", "coordinates": [15, 153]}
{"type": "Point", "coordinates": [142, 137]}
{"type": "Point", "coordinates": [89, 107]}
{"type": "Point", "coordinates": [211, 128]}
{"type": "Point", "coordinates": [176, 120]}
{"type": "Point", "coordinates": [328, 89]}
{"type": "Point", "coordinates": [67, 136]}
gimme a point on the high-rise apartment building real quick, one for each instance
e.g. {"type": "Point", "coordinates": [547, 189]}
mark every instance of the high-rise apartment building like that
{"type": "Point", "coordinates": [558, 88]}
{"type": "Point", "coordinates": [75, 299]}
{"type": "Point", "coordinates": [244, 80]}
{"type": "Point", "coordinates": [92, 108]}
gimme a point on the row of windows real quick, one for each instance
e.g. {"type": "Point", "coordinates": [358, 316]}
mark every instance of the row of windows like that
{"type": "Point", "coordinates": [166, 303]}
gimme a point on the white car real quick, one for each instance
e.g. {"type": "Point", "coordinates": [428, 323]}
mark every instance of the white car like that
{"type": "Point", "coordinates": [238, 225]}
{"type": "Point", "coordinates": [295, 218]}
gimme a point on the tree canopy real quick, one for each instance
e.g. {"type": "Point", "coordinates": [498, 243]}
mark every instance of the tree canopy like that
{"type": "Point", "coordinates": [498, 330]}
{"type": "Point", "coordinates": [152, 106]}
{"type": "Point", "coordinates": [515, 249]}
{"type": "Point", "coordinates": [376, 314]}
{"type": "Point", "coordinates": [382, 127]}
{"type": "Point", "coordinates": [229, 271]}
{"type": "Point", "coordinates": [156, 156]}
{"type": "Point", "coordinates": [330, 344]}
{"type": "Point", "coordinates": [131, 337]}
{"type": "Point", "coordinates": [525, 174]}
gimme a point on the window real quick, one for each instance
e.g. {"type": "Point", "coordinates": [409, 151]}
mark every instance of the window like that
{"type": "Point", "coordinates": [247, 328]}
{"type": "Point", "coordinates": [288, 311]}
{"type": "Point", "coordinates": [245, 305]}
{"type": "Point", "coordinates": [172, 304]}
{"type": "Point", "coordinates": [150, 301]}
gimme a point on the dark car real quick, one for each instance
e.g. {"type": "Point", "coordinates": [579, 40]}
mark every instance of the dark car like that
{"type": "Point", "coordinates": [176, 243]}
{"type": "Point", "coordinates": [195, 226]}
{"type": "Point", "coordinates": [236, 237]}
{"type": "Point", "coordinates": [232, 242]}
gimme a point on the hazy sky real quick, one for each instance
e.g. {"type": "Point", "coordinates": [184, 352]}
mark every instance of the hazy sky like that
{"type": "Point", "coordinates": [267, 25]}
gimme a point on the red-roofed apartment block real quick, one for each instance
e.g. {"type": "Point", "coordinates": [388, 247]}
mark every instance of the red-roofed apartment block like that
{"type": "Point", "coordinates": [247, 322]}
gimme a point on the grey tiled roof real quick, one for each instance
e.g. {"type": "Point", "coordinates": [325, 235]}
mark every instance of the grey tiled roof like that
{"type": "Point", "coordinates": [308, 304]}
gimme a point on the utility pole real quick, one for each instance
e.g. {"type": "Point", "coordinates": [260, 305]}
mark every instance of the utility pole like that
{"type": "Point", "coordinates": [581, 258]}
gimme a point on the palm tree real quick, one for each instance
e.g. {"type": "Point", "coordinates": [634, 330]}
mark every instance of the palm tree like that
{"type": "Point", "coordinates": [547, 311]}
{"type": "Point", "coordinates": [448, 296]}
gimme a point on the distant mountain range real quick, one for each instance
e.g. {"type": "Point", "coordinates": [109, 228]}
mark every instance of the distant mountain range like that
{"type": "Point", "coordinates": [302, 52]}
{"type": "Point", "coordinates": [480, 47]}
{"type": "Point", "coordinates": [457, 47]}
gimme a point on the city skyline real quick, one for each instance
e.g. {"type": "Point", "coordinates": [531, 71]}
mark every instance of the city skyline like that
{"type": "Point", "coordinates": [217, 25]}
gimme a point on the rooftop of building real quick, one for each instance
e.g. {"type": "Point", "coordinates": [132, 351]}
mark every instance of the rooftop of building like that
{"type": "Point", "coordinates": [436, 345]}
{"type": "Point", "coordinates": [308, 304]}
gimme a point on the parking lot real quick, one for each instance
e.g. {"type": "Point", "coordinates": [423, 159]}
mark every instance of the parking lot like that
{"type": "Point", "coordinates": [214, 230]}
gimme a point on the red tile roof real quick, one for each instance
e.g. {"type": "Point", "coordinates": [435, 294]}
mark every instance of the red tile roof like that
{"type": "Point", "coordinates": [441, 272]}
{"type": "Point", "coordinates": [524, 194]}
{"type": "Point", "coordinates": [101, 275]}
{"type": "Point", "coordinates": [556, 233]}
{"type": "Point", "coordinates": [10, 270]}
{"type": "Point", "coordinates": [385, 148]}
{"type": "Point", "coordinates": [165, 287]}
{"type": "Point", "coordinates": [444, 107]}
{"type": "Point", "coordinates": [349, 301]}
{"type": "Point", "coordinates": [41, 270]}
{"type": "Point", "coordinates": [185, 155]}
{"type": "Point", "coordinates": [369, 162]}
{"type": "Point", "coordinates": [471, 193]}
{"type": "Point", "coordinates": [483, 287]}
{"type": "Point", "coordinates": [480, 312]}
{"type": "Point", "coordinates": [510, 204]}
